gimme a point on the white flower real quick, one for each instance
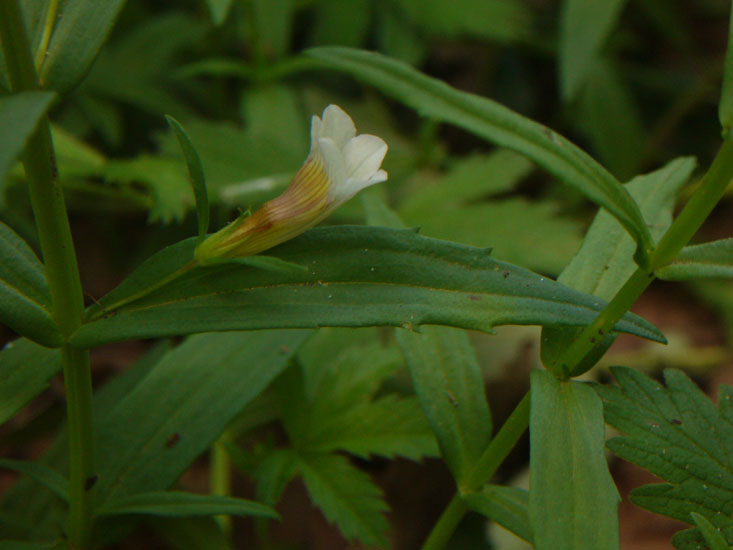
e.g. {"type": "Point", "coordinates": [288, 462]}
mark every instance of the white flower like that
{"type": "Point", "coordinates": [339, 165]}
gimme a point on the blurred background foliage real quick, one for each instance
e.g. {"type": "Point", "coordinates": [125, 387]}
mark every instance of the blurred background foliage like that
{"type": "Point", "coordinates": [644, 91]}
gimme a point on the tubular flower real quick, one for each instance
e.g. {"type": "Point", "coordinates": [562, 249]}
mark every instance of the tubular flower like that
{"type": "Point", "coordinates": [339, 165]}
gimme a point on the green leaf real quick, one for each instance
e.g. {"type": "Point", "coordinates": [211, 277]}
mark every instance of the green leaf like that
{"type": "Point", "coordinates": [25, 370]}
{"type": "Point", "coordinates": [678, 435]}
{"type": "Point", "coordinates": [176, 503]}
{"type": "Point", "coordinates": [712, 535]}
{"type": "Point", "coordinates": [584, 27]}
{"type": "Point", "coordinates": [25, 301]}
{"type": "Point", "coordinates": [357, 276]}
{"type": "Point", "coordinates": [389, 427]}
{"type": "Point", "coordinates": [219, 10]}
{"type": "Point", "coordinates": [725, 107]}
{"type": "Point", "coordinates": [268, 263]}
{"type": "Point", "coordinates": [492, 121]}
{"type": "Point", "coordinates": [81, 29]}
{"type": "Point", "coordinates": [273, 20]}
{"type": "Point", "coordinates": [19, 116]}
{"type": "Point", "coordinates": [713, 259]}
{"type": "Point", "coordinates": [605, 260]}
{"type": "Point", "coordinates": [507, 506]}
{"type": "Point", "coordinates": [190, 533]}
{"type": "Point", "coordinates": [195, 173]}
{"type": "Point", "coordinates": [44, 475]}
{"type": "Point", "coordinates": [273, 474]}
{"type": "Point", "coordinates": [346, 496]}
{"type": "Point", "coordinates": [450, 387]}
{"type": "Point", "coordinates": [154, 433]}
{"type": "Point", "coordinates": [341, 23]}
{"type": "Point", "coordinates": [572, 501]}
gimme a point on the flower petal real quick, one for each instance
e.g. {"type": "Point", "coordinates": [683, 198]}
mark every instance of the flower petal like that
{"type": "Point", "coordinates": [337, 125]}
{"type": "Point", "coordinates": [363, 156]}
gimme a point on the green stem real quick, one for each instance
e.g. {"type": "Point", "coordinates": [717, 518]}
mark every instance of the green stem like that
{"type": "Point", "coordinates": [62, 275]}
{"type": "Point", "coordinates": [481, 473]}
{"type": "Point", "coordinates": [78, 381]}
{"type": "Point", "coordinates": [684, 227]}
{"type": "Point", "coordinates": [47, 31]}
{"type": "Point", "coordinates": [221, 478]}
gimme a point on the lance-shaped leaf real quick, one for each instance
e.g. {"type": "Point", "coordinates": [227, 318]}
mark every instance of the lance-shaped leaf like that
{"type": "Point", "coordinates": [713, 259]}
{"type": "Point", "coordinates": [357, 276]}
{"type": "Point", "coordinates": [25, 301]}
{"type": "Point", "coordinates": [496, 123]}
{"type": "Point", "coordinates": [507, 506]}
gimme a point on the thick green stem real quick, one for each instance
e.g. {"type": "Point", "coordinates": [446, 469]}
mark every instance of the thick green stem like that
{"type": "Point", "coordinates": [481, 473]}
{"type": "Point", "coordinates": [62, 275]}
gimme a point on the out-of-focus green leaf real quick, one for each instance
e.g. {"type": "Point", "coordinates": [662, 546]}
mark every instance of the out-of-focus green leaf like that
{"type": "Point", "coordinates": [19, 116]}
{"type": "Point", "coordinates": [713, 259]}
{"type": "Point", "coordinates": [609, 116]}
{"type": "Point", "coordinates": [75, 158]}
{"type": "Point", "coordinates": [274, 473]}
{"type": "Point", "coordinates": [678, 435]}
{"type": "Point", "coordinates": [196, 175]}
{"type": "Point", "coordinates": [501, 20]}
{"type": "Point", "coordinates": [44, 475]}
{"type": "Point", "coordinates": [605, 260]}
{"type": "Point", "coordinates": [177, 503]}
{"type": "Point", "coordinates": [25, 369]}
{"type": "Point", "coordinates": [341, 23]}
{"type": "Point", "coordinates": [273, 21]}
{"type": "Point", "coordinates": [725, 107]}
{"type": "Point", "coordinates": [357, 276]}
{"type": "Point", "coordinates": [584, 27]}
{"type": "Point", "coordinates": [160, 427]}
{"type": "Point", "coordinates": [448, 382]}
{"type": "Point", "coordinates": [190, 533]}
{"type": "Point", "coordinates": [507, 506]}
{"type": "Point", "coordinates": [81, 29]}
{"type": "Point", "coordinates": [399, 39]}
{"type": "Point", "coordinates": [25, 301]}
{"type": "Point", "coordinates": [219, 10]}
{"type": "Point", "coordinates": [573, 501]}
{"type": "Point", "coordinates": [498, 124]}
{"type": "Point", "coordinates": [332, 483]}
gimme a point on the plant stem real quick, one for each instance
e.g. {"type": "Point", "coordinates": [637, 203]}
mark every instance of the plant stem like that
{"type": "Point", "coordinates": [481, 473]}
{"type": "Point", "coordinates": [221, 478]}
{"type": "Point", "coordinates": [47, 31]}
{"type": "Point", "coordinates": [62, 275]}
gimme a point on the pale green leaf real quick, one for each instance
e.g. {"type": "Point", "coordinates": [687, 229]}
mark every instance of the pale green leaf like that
{"type": "Point", "coordinates": [507, 506]}
{"type": "Point", "coordinates": [713, 259]}
{"type": "Point", "coordinates": [573, 501]}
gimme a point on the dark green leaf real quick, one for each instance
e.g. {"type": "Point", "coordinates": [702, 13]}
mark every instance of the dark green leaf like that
{"type": "Point", "coordinates": [274, 473]}
{"type": "Point", "coordinates": [572, 501]}
{"type": "Point", "coordinates": [176, 503]}
{"type": "Point", "coordinates": [195, 173]}
{"type": "Point", "coordinates": [81, 29]}
{"type": "Point", "coordinates": [44, 475]}
{"type": "Point", "coordinates": [341, 23]}
{"type": "Point", "coordinates": [190, 533]}
{"type": "Point", "coordinates": [507, 506]}
{"type": "Point", "coordinates": [160, 427]}
{"type": "Point", "coordinates": [25, 369]}
{"type": "Point", "coordinates": [25, 301]}
{"type": "Point", "coordinates": [713, 259]}
{"type": "Point", "coordinates": [346, 496]}
{"type": "Point", "coordinates": [357, 276]}
{"type": "Point", "coordinates": [269, 263]}
{"type": "Point", "coordinates": [450, 387]}
{"type": "Point", "coordinates": [492, 121]}
{"type": "Point", "coordinates": [19, 116]}
{"type": "Point", "coordinates": [711, 534]}
{"type": "Point", "coordinates": [584, 27]}
{"type": "Point", "coordinates": [219, 10]}
{"type": "Point", "coordinates": [676, 433]}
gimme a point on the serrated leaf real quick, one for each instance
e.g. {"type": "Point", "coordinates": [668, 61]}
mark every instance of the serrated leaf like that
{"type": "Point", "coordinates": [357, 276]}
{"type": "Point", "coordinates": [346, 496]}
{"type": "Point", "coordinates": [273, 474]}
{"type": "Point", "coordinates": [493, 121]}
{"type": "Point", "coordinates": [389, 427]}
{"type": "Point", "coordinates": [19, 116]}
{"type": "Point", "coordinates": [507, 506]}
{"type": "Point", "coordinates": [584, 27]}
{"type": "Point", "coordinates": [195, 173]}
{"type": "Point", "coordinates": [450, 387]}
{"type": "Point", "coordinates": [80, 30]}
{"type": "Point", "coordinates": [713, 259]}
{"type": "Point", "coordinates": [44, 475]}
{"type": "Point", "coordinates": [25, 301]}
{"type": "Point", "coordinates": [573, 502]}
{"type": "Point", "coordinates": [676, 433]}
{"type": "Point", "coordinates": [25, 370]}
{"type": "Point", "coordinates": [181, 504]}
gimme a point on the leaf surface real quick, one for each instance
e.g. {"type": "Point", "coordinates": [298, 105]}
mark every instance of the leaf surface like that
{"type": "Point", "coordinates": [713, 259]}
{"type": "Point", "coordinates": [507, 506]}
